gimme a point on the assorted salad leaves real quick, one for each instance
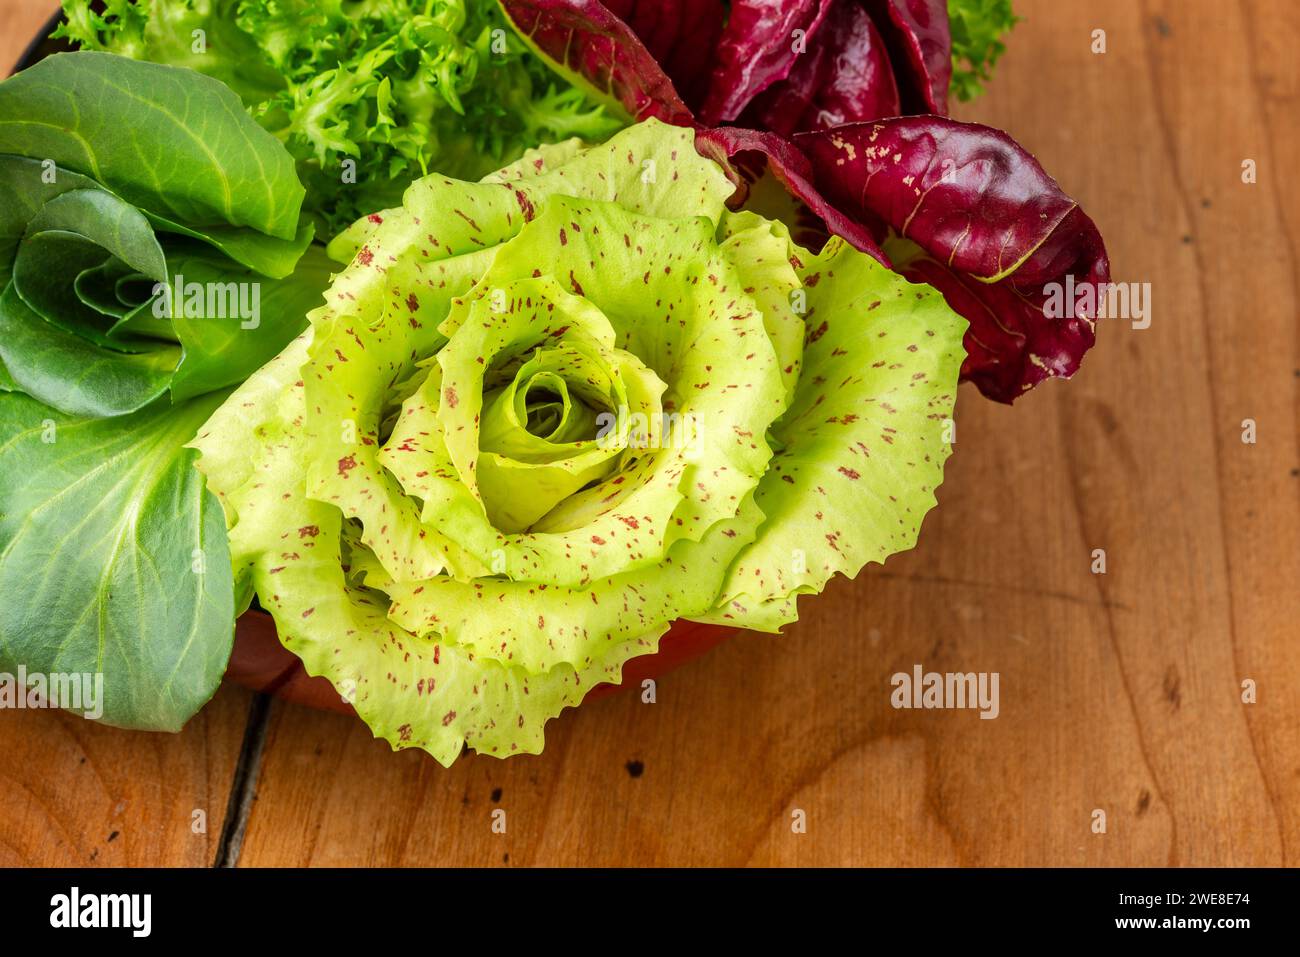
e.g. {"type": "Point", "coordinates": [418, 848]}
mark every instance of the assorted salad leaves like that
{"type": "Point", "coordinates": [572, 320]}
{"type": "Point", "coordinates": [365, 96]}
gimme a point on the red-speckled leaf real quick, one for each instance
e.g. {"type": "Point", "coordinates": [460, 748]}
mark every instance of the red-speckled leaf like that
{"type": "Point", "coordinates": [973, 214]}
{"type": "Point", "coordinates": [920, 47]}
{"type": "Point", "coordinates": [681, 34]}
{"type": "Point", "coordinates": [742, 153]}
{"type": "Point", "coordinates": [594, 49]}
{"type": "Point", "coordinates": [759, 47]}
{"type": "Point", "coordinates": [863, 443]}
{"type": "Point", "coordinates": [844, 76]}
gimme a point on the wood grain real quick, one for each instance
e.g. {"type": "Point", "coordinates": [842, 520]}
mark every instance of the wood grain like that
{"type": "Point", "coordinates": [1119, 692]}
{"type": "Point", "coordinates": [75, 793]}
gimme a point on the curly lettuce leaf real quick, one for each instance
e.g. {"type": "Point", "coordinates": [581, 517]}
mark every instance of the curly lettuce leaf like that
{"type": "Point", "coordinates": [977, 27]}
{"type": "Point", "coordinates": [862, 447]}
{"type": "Point", "coordinates": [366, 97]}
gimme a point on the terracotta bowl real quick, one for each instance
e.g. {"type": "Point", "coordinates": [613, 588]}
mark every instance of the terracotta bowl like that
{"type": "Point", "coordinates": [260, 662]}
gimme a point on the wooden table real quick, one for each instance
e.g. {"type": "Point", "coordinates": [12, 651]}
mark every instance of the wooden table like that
{"type": "Point", "coordinates": [1120, 692]}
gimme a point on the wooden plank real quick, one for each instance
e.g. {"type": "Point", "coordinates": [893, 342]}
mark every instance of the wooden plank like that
{"type": "Point", "coordinates": [77, 794]}
{"type": "Point", "coordinates": [1266, 547]}
{"type": "Point", "coordinates": [1119, 692]}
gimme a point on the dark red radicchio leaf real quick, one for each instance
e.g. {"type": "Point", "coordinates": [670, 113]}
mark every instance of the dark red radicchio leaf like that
{"type": "Point", "coordinates": [973, 214]}
{"type": "Point", "coordinates": [596, 47]}
{"type": "Point", "coordinates": [743, 153]}
{"type": "Point", "coordinates": [919, 41]}
{"type": "Point", "coordinates": [958, 206]}
{"type": "Point", "coordinates": [681, 35]}
{"type": "Point", "coordinates": [843, 76]}
{"type": "Point", "coordinates": [759, 47]}
{"type": "Point", "coordinates": [786, 65]}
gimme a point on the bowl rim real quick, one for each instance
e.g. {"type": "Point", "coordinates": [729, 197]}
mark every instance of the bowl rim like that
{"type": "Point", "coordinates": [28, 57]}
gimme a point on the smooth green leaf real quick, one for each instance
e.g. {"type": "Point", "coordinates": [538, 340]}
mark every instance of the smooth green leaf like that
{"type": "Point", "coordinates": [97, 288]}
{"type": "Point", "coordinates": [27, 184]}
{"type": "Point", "coordinates": [112, 174]}
{"type": "Point", "coordinates": [77, 231]}
{"type": "Point", "coordinates": [268, 255]}
{"type": "Point", "coordinates": [224, 350]}
{"type": "Point", "coordinates": [113, 557]}
{"type": "Point", "coordinates": [24, 188]}
{"type": "Point", "coordinates": [73, 374]}
{"type": "Point", "coordinates": [167, 139]}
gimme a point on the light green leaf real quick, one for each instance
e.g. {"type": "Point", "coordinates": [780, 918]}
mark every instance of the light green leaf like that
{"type": "Point", "coordinates": [419, 488]}
{"type": "Point", "coordinates": [541, 629]}
{"type": "Point", "coordinates": [413, 692]}
{"type": "Point", "coordinates": [863, 444]}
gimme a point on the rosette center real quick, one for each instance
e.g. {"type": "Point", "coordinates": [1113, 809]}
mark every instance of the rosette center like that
{"type": "Point", "coordinates": [572, 412]}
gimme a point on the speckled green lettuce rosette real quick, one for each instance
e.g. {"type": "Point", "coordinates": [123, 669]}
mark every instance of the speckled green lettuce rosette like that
{"type": "Point", "coordinates": [545, 415]}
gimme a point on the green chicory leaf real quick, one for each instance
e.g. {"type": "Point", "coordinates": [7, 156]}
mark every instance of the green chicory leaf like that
{"type": "Point", "coordinates": [543, 416]}
{"type": "Point", "coordinates": [113, 558]}
{"type": "Point", "coordinates": [150, 236]}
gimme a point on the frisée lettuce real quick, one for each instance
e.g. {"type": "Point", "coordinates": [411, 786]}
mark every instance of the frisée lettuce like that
{"type": "Point", "coordinates": [365, 96]}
